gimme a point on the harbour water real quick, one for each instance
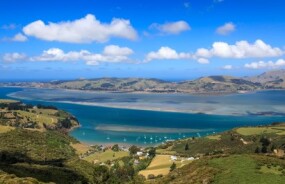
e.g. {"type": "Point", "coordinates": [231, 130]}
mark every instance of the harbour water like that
{"type": "Point", "coordinates": [107, 118]}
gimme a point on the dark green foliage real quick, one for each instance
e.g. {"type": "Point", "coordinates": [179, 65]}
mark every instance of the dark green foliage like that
{"type": "Point", "coordinates": [257, 150]}
{"type": "Point", "coordinates": [265, 141]}
{"type": "Point", "coordinates": [40, 106]}
{"type": "Point", "coordinates": [134, 149]}
{"type": "Point", "coordinates": [101, 174]}
{"type": "Point", "coordinates": [186, 147]}
{"type": "Point", "coordinates": [152, 152]}
{"type": "Point", "coordinates": [115, 147]}
{"type": "Point", "coordinates": [264, 149]}
{"type": "Point", "coordinates": [173, 166]}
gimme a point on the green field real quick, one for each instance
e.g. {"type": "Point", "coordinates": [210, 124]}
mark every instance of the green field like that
{"type": "Point", "coordinates": [4, 129]}
{"type": "Point", "coordinates": [242, 169]}
{"type": "Point", "coordinates": [161, 165]}
{"type": "Point", "coordinates": [260, 130]}
{"type": "Point", "coordinates": [6, 101]}
{"type": "Point", "coordinates": [214, 137]}
{"type": "Point", "coordinates": [106, 155]}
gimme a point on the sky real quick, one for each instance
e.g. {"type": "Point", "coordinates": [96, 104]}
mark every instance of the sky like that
{"type": "Point", "coordinates": [170, 39]}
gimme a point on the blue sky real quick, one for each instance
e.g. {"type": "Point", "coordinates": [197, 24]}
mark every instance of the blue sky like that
{"type": "Point", "coordinates": [173, 39]}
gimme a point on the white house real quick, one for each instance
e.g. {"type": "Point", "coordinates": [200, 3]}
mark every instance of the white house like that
{"type": "Point", "coordinates": [173, 158]}
{"type": "Point", "coordinates": [139, 153]}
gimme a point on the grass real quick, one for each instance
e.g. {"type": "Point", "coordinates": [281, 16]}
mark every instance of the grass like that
{"type": "Point", "coordinates": [6, 101]}
{"type": "Point", "coordinates": [161, 165]}
{"type": "Point", "coordinates": [40, 118]}
{"type": "Point", "coordinates": [4, 129]}
{"type": "Point", "coordinates": [106, 155]}
{"type": "Point", "coordinates": [242, 169]}
{"type": "Point", "coordinates": [214, 137]}
{"type": "Point", "coordinates": [271, 170]}
{"type": "Point", "coordinates": [80, 148]}
{"type": "Point", "coordinates": [246, 131]}
{"type": "Point", "coordinates": [165, 152]}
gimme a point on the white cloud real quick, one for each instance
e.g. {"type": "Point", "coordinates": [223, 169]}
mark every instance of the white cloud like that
{"type": "Point", "coordinates": [203, 61]}
{"type": "Point", "coordinates": [226, 29]}
{"type": "Point", "coordinates": [228, 67]}
{"type": "Point", "coordinates": [84, 30]}
{"type": "Point", "coordinates": [114, 50]}
{"type": "Point", "coordinates": [13, 57]}
{"type": "Point", "coordinates": [241, 49]}
{"type": "Point", "coordinates": [167, 54]}
{"type": "Point", "coordinates": [19, 38]}
{"type": "Point", "coordinates": [112, 54]}
{"type": "Point", "coordinates": [267, 65]}
{"type": "Point", "coordinates": [171, 27]}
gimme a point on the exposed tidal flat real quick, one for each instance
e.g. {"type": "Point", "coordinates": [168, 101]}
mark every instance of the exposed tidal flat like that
{"type": "Point", "coordinates": [146, 119]}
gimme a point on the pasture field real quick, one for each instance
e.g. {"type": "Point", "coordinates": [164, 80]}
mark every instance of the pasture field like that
{"type": "Point", "coordinates": [4, 129]}
{"type": "Point", "coordinates": [161, 165]}
{"type": "Point", "coordinates": [247, 131]}
{"type": "Point", "coordinates": [106, 155]}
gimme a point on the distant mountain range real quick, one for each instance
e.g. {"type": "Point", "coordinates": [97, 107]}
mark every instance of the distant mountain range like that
{"type": "Point", "coordinates": [203, 85]}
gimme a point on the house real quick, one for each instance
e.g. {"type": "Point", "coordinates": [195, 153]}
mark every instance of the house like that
{"type": "Point", "coordinates": [139, 153]}
{"type": "Point", "coordinates": [136, 162]}
{"type": "Point", "coordinates": [191, 158]}
{"type": "Point", "coordinates": [173, 158]}
{"type": "Point", "coordinates": [279, 152]}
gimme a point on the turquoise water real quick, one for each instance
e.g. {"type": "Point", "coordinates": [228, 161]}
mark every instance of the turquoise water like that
{"type": "Point", "coordinates": [143, 127]}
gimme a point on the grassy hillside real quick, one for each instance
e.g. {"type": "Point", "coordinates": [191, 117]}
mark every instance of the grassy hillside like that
{"type": "Point", "coordinates": [270, 80]}
{"type": "Point", "coordinates": [211, 84]}
{"type": "Point", "coordinates": [229, 169]}
{"type": "Point", "coordinates": [17, 114]}
{"type": "Point", "coordinates": [241, 155]}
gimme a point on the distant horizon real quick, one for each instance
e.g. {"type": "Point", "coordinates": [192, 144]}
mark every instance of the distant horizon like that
{"type": "Point", "coordinates": [90, 78]}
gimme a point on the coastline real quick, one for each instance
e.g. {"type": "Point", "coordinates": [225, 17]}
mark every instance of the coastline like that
{"type": "Point", "coordinates": [187, 108]}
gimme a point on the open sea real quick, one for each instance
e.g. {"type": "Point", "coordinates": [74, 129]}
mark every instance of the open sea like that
{"type": "Point", "coordinates": [150, 119]}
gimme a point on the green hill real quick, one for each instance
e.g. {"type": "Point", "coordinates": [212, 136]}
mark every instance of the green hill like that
{"type": "Point", "coordinates": [50, 155]}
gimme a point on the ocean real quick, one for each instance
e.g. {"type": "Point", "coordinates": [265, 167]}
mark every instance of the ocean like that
{"type": "Point", "coordinates": [150, 119]}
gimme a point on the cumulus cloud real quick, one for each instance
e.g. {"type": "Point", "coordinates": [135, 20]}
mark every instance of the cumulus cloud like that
{"type": "Point", "coordinates": [19, 38]}
{"type": "Point", "coordinates": [84, 30]}
{"type": "Point", "coordinates": [166, 53]}
{"type": "Point", "coordinates": [13, 57]}
{"type": "Point", "coordinates": [114, 50]}
{"type": "Point", "coordinates": [226, 29]}
{"type": "Point", "coordinates": [227, 67]}
{"type": "Point", "coordinates": [111, 53]}
{"type": "Point", "coordinates": [266, 65]}
{"type": "Point", "coordinates": [241, 49]}
{"type": "Point", "coordinates": [171, 27]}
{"type": "Point", "coordinates": [203, 61]}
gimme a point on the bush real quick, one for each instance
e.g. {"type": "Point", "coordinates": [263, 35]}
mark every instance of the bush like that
{"type": "Point", "coordinates": [150, 177]}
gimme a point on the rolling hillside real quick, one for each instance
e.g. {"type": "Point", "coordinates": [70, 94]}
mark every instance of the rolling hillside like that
{"type": "Point", "coordinates": [270, 80]}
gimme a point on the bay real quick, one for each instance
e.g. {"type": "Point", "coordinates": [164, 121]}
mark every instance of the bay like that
{"type": "Point", "coordinates": [108, 118]}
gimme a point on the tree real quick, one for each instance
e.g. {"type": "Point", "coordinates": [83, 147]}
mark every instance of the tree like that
{"type": "Point", "coordinates": [173, 166]}
{"type": "Point", "coordinates": [273, 147]}
{"type": "Point", "coordinates": [264, 149]}
{"type": "Point", "coordinates": [101, 174]}
{"type": "Point", "coordinates": [133, 150]}
{"type": "Point", "coordinates": [257, 150]}
{"type": "Point", "coordinates": [115, 147]}
{"type": "Point", "coordinates": [186, 147]}
{"type": "Point", "coordinates": [152, 152]}
{"type": "Point", "coordinates": [265, 141]}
